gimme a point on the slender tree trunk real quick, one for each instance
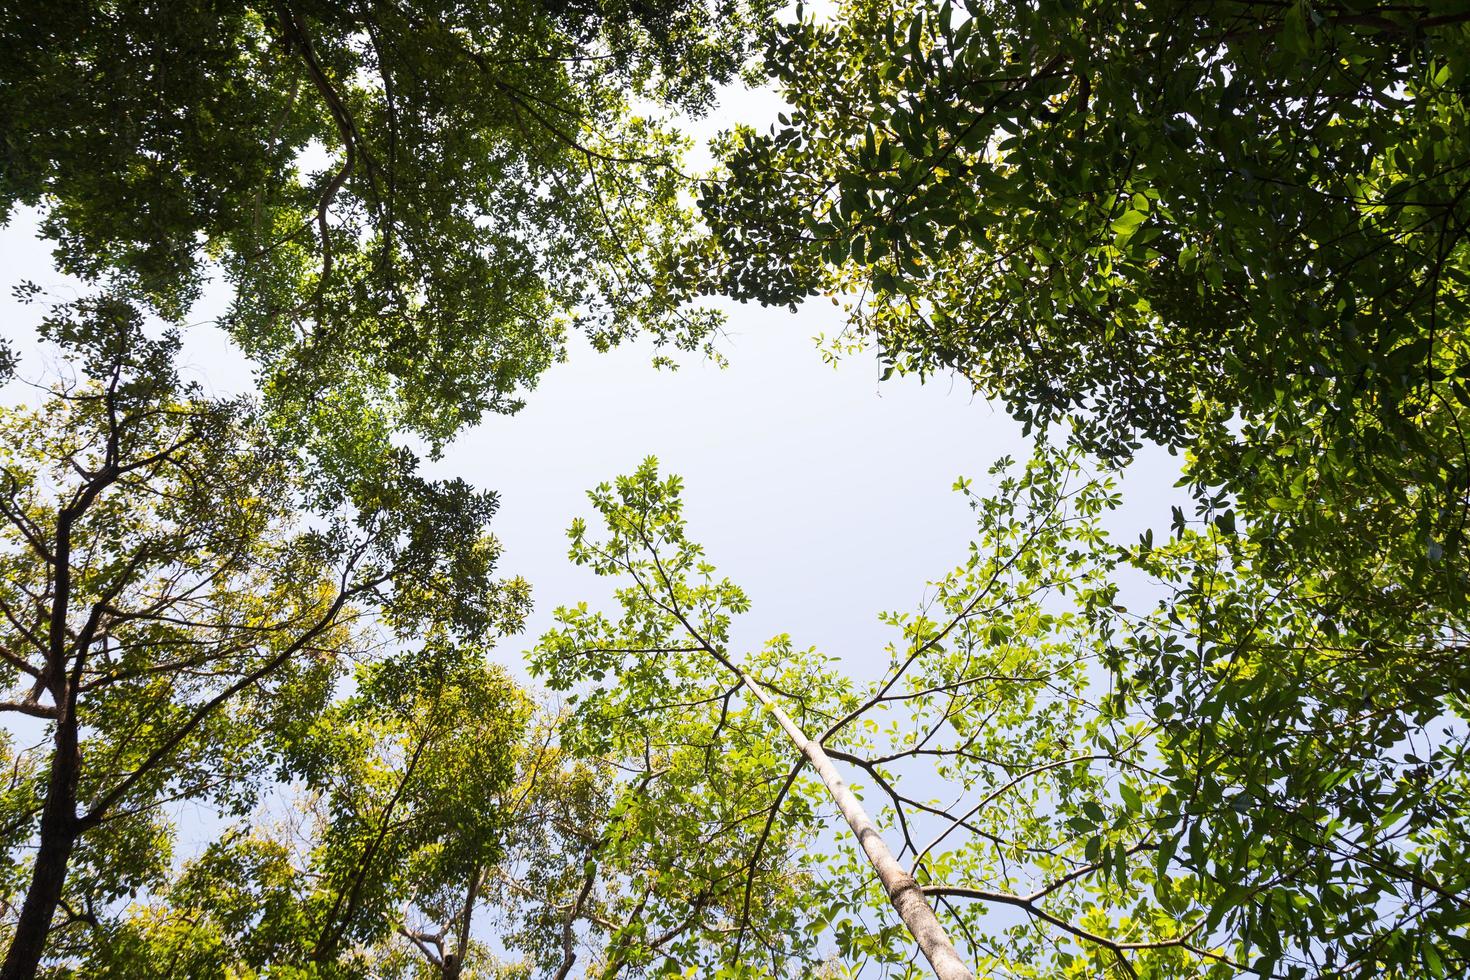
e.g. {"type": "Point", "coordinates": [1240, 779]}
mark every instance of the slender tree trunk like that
{"type": "Point", "coordinates": [453, 965]}
{"type": "Point", "coordinates": [903, 891]}
{"type": "Point", "coordinates": [58, 835]}
{"type": "Point", "coordinates": [568, 937]}
{"type": "Point", "coordinates": [59, 826]}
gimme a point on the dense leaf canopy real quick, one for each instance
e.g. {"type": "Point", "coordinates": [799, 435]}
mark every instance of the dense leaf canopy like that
{"type": "Point", "coordinates": [411, 202]}
{"type": "Point", "coordinates": [406, 822]}
{"type": "Point", "coordinates": [1236, 229]}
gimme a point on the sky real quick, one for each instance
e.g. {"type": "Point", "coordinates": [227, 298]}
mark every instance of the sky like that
{"type": "Point", "coordinates": [821, 490]}
{"type": "Point", "coordinates": [824, 493]}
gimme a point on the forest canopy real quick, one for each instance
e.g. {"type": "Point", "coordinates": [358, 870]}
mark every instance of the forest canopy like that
{"type": "Point", "coordinates": [264, 710]}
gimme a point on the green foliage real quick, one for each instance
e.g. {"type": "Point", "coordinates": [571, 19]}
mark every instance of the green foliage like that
{"type": "Point", "coordinates": [398, 821]}
{"type": "Point", "coordinates": [713, 808]}
{"type": "Point", "coordinates": [172, 621]}
{"type": "Point", "coordinates": [1315, 761]}
{"type": "Point", "coordinates": [408, 769]}
{"type": "Point", "coordinates": [412, 202]}
{"type": "Point", "coordinates": [1236, 229]}
{"type": "Point", "coordinates": [1233, 227]}
{"type": "Point", "coordinates": [1229, 781]}
{"type": "Point", "coordinates": [552, 891]}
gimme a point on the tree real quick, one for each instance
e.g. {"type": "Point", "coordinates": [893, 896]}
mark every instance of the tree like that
{"type": "Point", "coordinates": [1315, 760]}
{"type": "Point", "coordinates": [406, 825]}
{"type": "Point", "coordinates": [171, 618]}
{"type": "Point", "coordinates": [710, 814]}
{"type": "Point", "coordinates": [397, 826]}
{"type": "Point", "coordinates": [1221, 783]}
{"type": "Point", "coordinates": [412, 202]}
{"type": "Point", "coordinates": [412, 814]}
{"type": "Point", "coordinates": [665, 614]}
{"type": "Point", "coordinates": [1235, 228]}
{"type": "Point", "coordinates": [547, 887]}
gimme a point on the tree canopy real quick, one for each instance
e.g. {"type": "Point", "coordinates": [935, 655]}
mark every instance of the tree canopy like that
{"type": "Point", "coordinates": [412, 203]}
{"type": "Point", "coordinates": [1224, 783]}
{"type": "Point", "coordinates": [1236, 228]}
{"type": "Point", "coordinates": [254, 719]}
{"type": "Point", "coordinates": [171, 617]}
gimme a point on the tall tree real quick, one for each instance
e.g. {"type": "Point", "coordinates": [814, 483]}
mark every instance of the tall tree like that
{"type": "Point", "coordinates": [552, 889]}
{"type": "Point", "coordinates": [395, 821]}
{"type": "Point", "coordinates": [1225, 781]}
{"type": "Point", "coordinates": [1233, 227]}
{"type": "Point", "coordinates": [406, 825]}
{"type": "Point", "coordinates": [676, 609]}
{"type": "Point", "coordinates": [412, 202]}
{"type": "Point", "coordinates": [410, 770]}
{"type": "Point", "coordinates": [170, 617]}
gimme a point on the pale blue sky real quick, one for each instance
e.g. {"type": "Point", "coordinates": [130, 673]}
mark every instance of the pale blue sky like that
{"type": "Point", "coordinates": [822, 491]}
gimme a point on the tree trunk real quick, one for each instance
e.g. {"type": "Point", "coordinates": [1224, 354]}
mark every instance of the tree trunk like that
{"type": "Point", "coordinates": [59, 825]}
{"type": "Point", "coordinates": [903, 891]}
{"type": "Point", "coordinates": [453, 966]}
{"type": "Point", "coordinates": [58, 835]}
